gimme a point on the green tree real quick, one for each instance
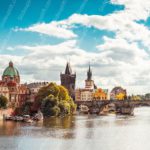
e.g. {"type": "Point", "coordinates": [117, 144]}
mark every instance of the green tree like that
{"type": "Point", "coordinates": [54, 100]}
{"type": "Point", "coordinates": [3, 101]}
{"type": "Point", "coordinates": [52, 88]}
{"type": "Point", "coordinates": [49, 106]}
{"type": "Point", "coordinates": [147, 96]}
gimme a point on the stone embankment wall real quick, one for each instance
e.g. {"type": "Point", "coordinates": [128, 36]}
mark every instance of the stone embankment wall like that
{"type": "Point", "coordinates": [6, 112]}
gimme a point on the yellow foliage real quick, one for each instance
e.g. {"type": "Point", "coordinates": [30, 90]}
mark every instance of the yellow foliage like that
{"type": "Point", "coordinates": [120, 96]}
{"type": "Point", "coordinates": [135, 98]}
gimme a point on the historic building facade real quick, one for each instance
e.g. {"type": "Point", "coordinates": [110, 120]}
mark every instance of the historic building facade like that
{"type": "Point", "coordinates": [90, 91]}
{"type": "Point", "coordinates": [86, 94]}
{"type": "Point", "coordinates": [11, 88]}
{"type": "Point", "coordinates": [68, 80]}
{"type": "Point", "coordinates": [34, 88]}
{"type": "Point", "coordinates": [100, 94]}
{"type": "Point", "coordinates": [83, 94]}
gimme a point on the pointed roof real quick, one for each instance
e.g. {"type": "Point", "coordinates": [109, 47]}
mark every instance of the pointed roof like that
{"type": "Point", "coordinates": [68, 69]}
{"type": "Point", "coordinates": [89, 73]}
{"type": "Point", "coordinates": [89, 68]}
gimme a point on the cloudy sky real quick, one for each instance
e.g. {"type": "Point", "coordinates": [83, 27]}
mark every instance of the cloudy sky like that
{"type": "Point", "coordinates": [113, 35]}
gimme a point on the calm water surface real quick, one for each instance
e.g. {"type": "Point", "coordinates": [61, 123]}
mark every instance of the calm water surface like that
{"type": "Point", "coordinates": [80, 133]}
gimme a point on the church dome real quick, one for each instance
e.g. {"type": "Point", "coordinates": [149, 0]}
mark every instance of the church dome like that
{"type": "Point", "coordinates": [11, 71]}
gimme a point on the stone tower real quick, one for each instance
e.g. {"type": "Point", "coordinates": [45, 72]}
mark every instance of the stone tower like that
{"type": "Point", "coordinates": [68, 80]}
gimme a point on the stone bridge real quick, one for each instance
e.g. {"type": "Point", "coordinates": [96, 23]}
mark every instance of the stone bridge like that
{"type": "Point", "coordinates": [121, 107]}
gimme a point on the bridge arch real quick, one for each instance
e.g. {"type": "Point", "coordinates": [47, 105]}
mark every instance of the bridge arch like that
{"type": "Point", "coordinates": [122, 106]}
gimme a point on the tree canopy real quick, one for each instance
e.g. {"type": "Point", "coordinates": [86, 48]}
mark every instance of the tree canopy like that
{"type": "Point", "coordinates": [54, 100]}
{"type": "Point", "coordinates": [120, 96]}
{"type": "Point", "coordinates": [3, 101]}
{"type": "Point", "coordinates": [147, 96]}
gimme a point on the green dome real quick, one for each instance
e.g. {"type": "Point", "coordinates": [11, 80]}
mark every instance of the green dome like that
{"type": "Point", "coordinates": [11, 71]}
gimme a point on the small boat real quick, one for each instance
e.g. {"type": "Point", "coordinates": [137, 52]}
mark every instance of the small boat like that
{"type": "Point", "coordinates": [84, 109]}
{"type": "Point", "coordinates": [29, 121]}
{"type": "Point", "coordinates": [18, 118]}
{"type": "Point", "coordinates": [7, 118]}
{"type": "Point", "coordinates": [38, 116]}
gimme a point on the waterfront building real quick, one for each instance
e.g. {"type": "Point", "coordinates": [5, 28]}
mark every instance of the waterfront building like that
{"type": "Point", "coordinates": [86, 93]}
{"type": "Point", "coordinates": [68, 80]}
{"type": "Point", "coordinates": [11, 88]}
{"type": "Point", "coordinates": [118, 93]}
{"type": "Point", "coordinates": [90, 91]}
{"type": "Point", "coordinates": [34, 88]}
{"type": "Point", "coordinates": [83, 94]}
{"type": "Point", "coordinates": [100, 94]}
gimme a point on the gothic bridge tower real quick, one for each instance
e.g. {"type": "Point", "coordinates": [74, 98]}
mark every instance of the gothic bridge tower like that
{"type": "Point", "coordinates": [68, 80]}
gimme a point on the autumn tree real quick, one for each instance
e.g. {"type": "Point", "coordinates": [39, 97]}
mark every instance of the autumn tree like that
{"type": "Point", "coordinates": [54, 100]}
{"type": "Point", "coordinates": [120, 96]}
{"type": "Point", "coordinates": [135, 97]}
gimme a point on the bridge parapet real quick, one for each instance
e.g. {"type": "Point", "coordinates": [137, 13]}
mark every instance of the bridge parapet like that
{"type": "Point", "coordinates": [133, 102]}
{"type": "Point", "coordinates": [119, 104]}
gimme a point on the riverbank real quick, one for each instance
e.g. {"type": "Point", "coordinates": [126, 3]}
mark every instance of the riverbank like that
{"type": "Point", "coordinates": [5, 112]}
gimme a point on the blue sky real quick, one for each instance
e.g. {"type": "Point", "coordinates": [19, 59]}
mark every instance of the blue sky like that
{"type": "Point", "coordinates": [40, 36]}
{"type": "Point", "coordinates": [21, 14]}
{"type": "Point", "coordinates": [53, 10]}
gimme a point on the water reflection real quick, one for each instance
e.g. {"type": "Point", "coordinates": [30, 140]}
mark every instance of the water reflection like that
{"type": "Point", "coordinates": [79, 132]}
{"type": "Point", "coordinates": [9, 128]}
{"type": "Point", "coordinates": [61, 123]}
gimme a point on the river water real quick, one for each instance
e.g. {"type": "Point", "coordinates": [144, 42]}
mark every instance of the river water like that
{"type": "Point", "coordinates": [80, 132]}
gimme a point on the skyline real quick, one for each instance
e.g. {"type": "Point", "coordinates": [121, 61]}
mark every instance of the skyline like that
{"type": "Point", "coordinates": [72, 73]}
{"type": "Point", "coordinates": [112, 35]}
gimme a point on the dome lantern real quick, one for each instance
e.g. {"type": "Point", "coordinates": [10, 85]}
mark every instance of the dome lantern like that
{"type": "Point", "coordinates": [10, 64]}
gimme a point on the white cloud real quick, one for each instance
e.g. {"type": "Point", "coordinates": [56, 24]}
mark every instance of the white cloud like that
{"type": "Point", "coordinates": [123, 22]}
{"type": "Point", "coordinates": [52, 29]}
{"type": "Point", "coordinates": [45, 62]}
{"type": "Point", "coordinates": [114, 64]}
{"type": "Point", "coordinates": [118, 61]}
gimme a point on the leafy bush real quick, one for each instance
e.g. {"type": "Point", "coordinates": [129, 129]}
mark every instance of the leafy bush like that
{"type": "Point", "coordinates": [3, 101]}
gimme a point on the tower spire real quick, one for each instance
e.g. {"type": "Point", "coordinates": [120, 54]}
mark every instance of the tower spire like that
{"type": "Point", "coordinates": [68, 69]}
{"type": "Point", "coordinates": [89, 73]}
